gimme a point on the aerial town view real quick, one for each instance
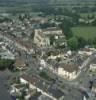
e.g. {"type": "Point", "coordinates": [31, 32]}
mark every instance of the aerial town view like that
{"type": "Point", "coordinates": [47, 49]}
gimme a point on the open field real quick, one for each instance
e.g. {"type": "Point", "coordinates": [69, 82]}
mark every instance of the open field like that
{"type": "Point", "coordinates": [85, 15]}
{"type": "Point", "coordinates": [85, 32]}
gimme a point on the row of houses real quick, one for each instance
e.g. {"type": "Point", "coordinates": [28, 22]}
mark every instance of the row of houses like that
{"type": "Point", "coordinates": [68, 71]}
{"type": "Point", "coordinates": [93, 66]}
{"type": "Point", "coordinates": [5, 53]}
{"type": "Point", "coordinates": [18, 91]}
{"type": "Point", "coordinates": [66, 66]}
{"type": "Point", "coordinates": [92, 69]}
{"type": "Point", "coordinates": [40, 85]}
{"type": "Point", "coordinates": [35, 88]}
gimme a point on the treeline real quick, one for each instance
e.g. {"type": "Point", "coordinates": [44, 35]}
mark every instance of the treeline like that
{"type": "Point", "coordinates": [5, 19]}
{"type": "Point", "coordinates": [85, 9]}
{"type": "Point", "coordinates": [76, 43]}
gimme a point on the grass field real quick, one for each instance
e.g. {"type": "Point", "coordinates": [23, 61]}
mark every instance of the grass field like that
{"type": "Point", "coordinates": [85, 15]}
{"type": "Point", "coordinates": [85, 32]}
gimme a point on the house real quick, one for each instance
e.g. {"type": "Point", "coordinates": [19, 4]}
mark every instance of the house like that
{"type": "Point", "coordinates": [35, 96]}
{"type": "Point", "coordinates": [46, 37]}
{"type": "Point", "coordinates": [86, 51]}
{"type": "Point", "coordinates": [68, 71]}
{"type": "Point", "coordinates": [39, 96]}
{"type": "Point", "coordinates": [43, 63]}
{"type": "Point", "coordinates": [56, 54]}
{"type": "Point", "coordinates": [94, 86]}
{"type": "Point", "coordinates": [17, 34]}
{"type": "Point", "coordinates": [17, 88]}
{"type": "Point", "coordinates": [39, 20]}
{"type": "Point", "coordinates": [5, 54]}
{"type": "Point", "coordinates": [45, 88]}
{"type": "Point", "coordinates": [93, 66]}
{"type": "Point", "coordinates": [20, 64]}
{"type": "Point", "coordinates": [24, 45]}
{"type": "Point", "coordinates": [43, 97]}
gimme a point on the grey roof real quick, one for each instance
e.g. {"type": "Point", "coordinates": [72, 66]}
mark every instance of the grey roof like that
{"type": "Point", "coordinates": [41, 84]}
{"type": "Point", "coordinates": [94, 84]}
{"type": "Point", "coordinates": [55, 92]}
{"type": "Point", "coordinates": [35, 96]}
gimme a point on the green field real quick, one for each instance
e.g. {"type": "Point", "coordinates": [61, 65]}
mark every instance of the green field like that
{"type": "Point", "coordinates": [85, 32]}
{"type": "Point", "coordinates": [85, 15]}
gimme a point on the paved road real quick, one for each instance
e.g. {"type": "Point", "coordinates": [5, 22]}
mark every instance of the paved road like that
{"type": "Point", "coordinates": [4, 95]}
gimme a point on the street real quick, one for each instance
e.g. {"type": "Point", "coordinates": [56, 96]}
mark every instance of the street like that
{"type": "Point", "coordinates": [4, 95]}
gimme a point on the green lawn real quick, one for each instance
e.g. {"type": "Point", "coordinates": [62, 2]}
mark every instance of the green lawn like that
{"type": "Point", "coordinates": [85, 32]}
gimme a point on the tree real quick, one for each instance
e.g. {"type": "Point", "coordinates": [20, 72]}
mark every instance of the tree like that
{"type": "Point", "coordinates": [66, 27]}
{"type": "Point", "coordinates": [81, 42]}
{"type": "Point", "coordinates": [75, 18]}
{"type": "Point", "coordinates": [73, 43]}
{"type": "Point", "coordinates": [94, 23]}
{"type": "Point", "coordinates": [94, 41]}
{"type": "Point", "coordinates": [6, 63]}
{"type": "Point", "coordinates": [52, 39]}
{"type": "Point", "coordinates": [90, 42]}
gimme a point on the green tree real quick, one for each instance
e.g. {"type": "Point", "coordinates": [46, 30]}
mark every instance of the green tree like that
{"type": "Point", "coordinates": [94, 41]}
{"type": "Point", "coordinates": [90, 42]}
{"type": "Point", "coordinates": [73, 43]}
{"type": "Point", "coordinates": [66, 27]}
{"type": "Point", "coordinates": [94, 23]}
{"type": "Point", "coordinates": [81, 42]}
{"type": "Point", "coordinates": [52, 40]}
{"type": "Point", "coordinates": [6, 63]}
